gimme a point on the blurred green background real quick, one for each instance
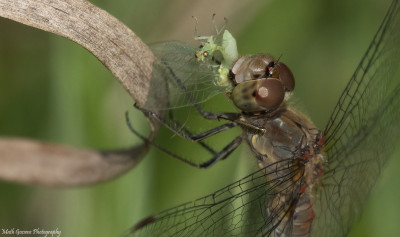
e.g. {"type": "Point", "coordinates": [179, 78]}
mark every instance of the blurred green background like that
{"type": "Point", "coordinates": [52, 89]}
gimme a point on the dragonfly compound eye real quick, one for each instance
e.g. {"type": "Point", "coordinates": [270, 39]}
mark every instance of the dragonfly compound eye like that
{"type": "Point", "coordinates": [250, 68]}
{"type": "Point", "coordinates": [281, 71]}
{"type": "Point", "coordinates": [270, 93]}
{"type": "Point", "coordinates": [286, 76]}
{"type": "Point", "coordinates": [258, 95]}
{"type": "Point", "coordinates": [257, 65]}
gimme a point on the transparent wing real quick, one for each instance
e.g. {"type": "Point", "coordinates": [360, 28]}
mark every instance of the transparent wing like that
{"type": "Point", "coordinates": [244, 208]}
{"type": "Point", "coordinates": [179, 79]}
{"type": "Point", "coordinates": [361, 133]}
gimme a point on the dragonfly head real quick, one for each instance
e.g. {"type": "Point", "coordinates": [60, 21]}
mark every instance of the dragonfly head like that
{"type": "Point", "coordinates": [261, 83]}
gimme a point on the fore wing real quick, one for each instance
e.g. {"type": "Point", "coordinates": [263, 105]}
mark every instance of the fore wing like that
{"type": "Point", "coordinates": [361, 133]}
{"type": "Point", "coordinates": [179, 78]}
{"type": "Point", "coordinates": [244, 208]}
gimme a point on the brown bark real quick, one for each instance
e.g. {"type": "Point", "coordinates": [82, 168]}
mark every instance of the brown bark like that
{"type": "Point", "coordinates": [120, 50]}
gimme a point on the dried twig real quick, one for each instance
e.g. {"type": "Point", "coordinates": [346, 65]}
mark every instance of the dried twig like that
{"type": "Point", "coordinates": [120, 50]}
{"type": "Point", "coordinates": [34, 162]}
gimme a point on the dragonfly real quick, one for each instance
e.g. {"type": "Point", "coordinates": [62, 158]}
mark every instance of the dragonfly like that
{"type": "Point", "coordinates": [310, 182]}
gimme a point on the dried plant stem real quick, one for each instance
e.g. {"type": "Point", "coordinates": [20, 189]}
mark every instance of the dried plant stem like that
{"type": "Point", "coordinates": [120, 50]}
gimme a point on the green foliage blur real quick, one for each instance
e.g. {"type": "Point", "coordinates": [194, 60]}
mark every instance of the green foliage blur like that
{"type": "Point", "coordinates": [52, 89]}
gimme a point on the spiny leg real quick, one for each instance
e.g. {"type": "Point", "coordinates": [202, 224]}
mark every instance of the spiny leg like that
{"type": "Point", "coordinates": [233, 117]}
{"type": "Point", "coordinates": [223, 154]}
{"type": "Point", "coordinates": [217, 156]}
{"type": "Point", "coordinates": [186, 134]}
{"type": "Point", "coordinates": [177, 124]}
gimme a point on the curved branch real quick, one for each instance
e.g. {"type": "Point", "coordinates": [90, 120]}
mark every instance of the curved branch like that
{"type": "Point", "coordinates": [34, 162]}
{"type": "Point", "coordinates": [120, 50]}
{"type": "Point", "coordinates": [114, 44]}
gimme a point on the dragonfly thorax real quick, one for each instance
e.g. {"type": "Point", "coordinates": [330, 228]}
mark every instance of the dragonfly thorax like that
{"type": "Point", "coordinates": [260, 83]}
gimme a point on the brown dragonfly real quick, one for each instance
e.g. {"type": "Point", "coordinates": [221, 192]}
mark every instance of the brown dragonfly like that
{"type": "Point", "coordinates": [310, 182]}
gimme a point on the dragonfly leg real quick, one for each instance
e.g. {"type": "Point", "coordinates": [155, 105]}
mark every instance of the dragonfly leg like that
{"type": "Point", "coordinates": [217, 156]}
{"type": "Point", "coordinates": [233, 117]}
{"type": "Point", "coordinates": [224, 153]}
{"type": "Point", "coordinates": [186, 134]}
{"type": "Point", "coordinates": [198, 137]}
